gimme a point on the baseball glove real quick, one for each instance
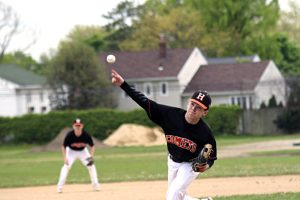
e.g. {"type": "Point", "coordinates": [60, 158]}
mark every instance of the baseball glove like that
{"type": "Point", "coordinates": [90, 161]}
{"type": "Point", "coordinates": [202, 158]}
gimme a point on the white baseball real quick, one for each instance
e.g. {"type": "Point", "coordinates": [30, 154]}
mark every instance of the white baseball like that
{"type": "Point", "coordinates": [111, 58]}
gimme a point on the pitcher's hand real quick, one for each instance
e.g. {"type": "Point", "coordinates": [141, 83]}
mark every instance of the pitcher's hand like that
{"type": "Point", "coordinates": [116, 78]}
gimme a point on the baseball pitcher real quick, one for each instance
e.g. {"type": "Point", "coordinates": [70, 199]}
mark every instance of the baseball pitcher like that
{"type": "Point", "coordinates": [191, 145]}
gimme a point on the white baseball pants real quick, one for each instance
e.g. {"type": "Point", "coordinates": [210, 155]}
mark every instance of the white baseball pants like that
{"type": "Point", "coordinates": [180, 176]}
{"type": "Point", "coordinates": [72, 156]}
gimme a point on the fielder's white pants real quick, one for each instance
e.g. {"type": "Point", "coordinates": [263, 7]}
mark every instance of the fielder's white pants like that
{"type": "Point", "coordinates": [72, 156]}
{"type": "Point", "coordinates": [180, 176]}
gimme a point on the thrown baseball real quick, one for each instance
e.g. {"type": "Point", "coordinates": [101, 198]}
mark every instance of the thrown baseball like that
{"type": "Point", "coordinates": [111, 59]}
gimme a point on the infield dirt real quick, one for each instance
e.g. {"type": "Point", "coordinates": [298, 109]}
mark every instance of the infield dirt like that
{"type": "Point", "coordinates": [155, 190]}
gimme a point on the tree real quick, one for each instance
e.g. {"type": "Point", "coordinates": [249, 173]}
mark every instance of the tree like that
{"type": "Point", "coordinates": [241, 19]}
{"type": "Point", "coordinates": [279, 48]}
{"type": "Point", "coordinates": [294, 97]}
{"type": "Point", "coordinates": [9, 28]}
{"type": "Point", "coordinates": [77, 78]}
{"type": "Point", "coordinates": [9, 24]}
{"type": "Point", "coordinates": [182, 27]}
{"type": "Point", "coordinates": [289, 22]}
{"type": "Point", "coordinates": [226, 27]}
{"type": "Point", "coordinates": [119, 26]}
{"type": "Point", "coordinates": [93, 36]}
{"type": "Point", "coordinates": [289, 120]}
{"type": "Point", "coordinates": [24, 61]}
{"type": "Point", "coordinates": [263, 105]}
{"type": "Point", "coordinates": [290, 63]}
{"type": "Point", "coordinates": [272, 102]}
{"type": "Point", "coordinates": [159, 7]}
{"type": "Point", "coordinates": [266, 46]}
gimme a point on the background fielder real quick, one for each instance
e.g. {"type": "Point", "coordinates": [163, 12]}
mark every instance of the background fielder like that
{"type": "Point", "coordinates": [186, 134]}
{"type": "Point", "coordinates": [75, 147]}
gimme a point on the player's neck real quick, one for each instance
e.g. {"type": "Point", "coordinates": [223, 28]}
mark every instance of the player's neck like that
{"type": "Point", "coordinates": [78, 133]}
{"type": "Point", "coordinates": [190, 120]}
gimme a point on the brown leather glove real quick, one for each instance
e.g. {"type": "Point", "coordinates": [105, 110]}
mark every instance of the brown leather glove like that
{"type": "Point", "coordinates": [202, 157]}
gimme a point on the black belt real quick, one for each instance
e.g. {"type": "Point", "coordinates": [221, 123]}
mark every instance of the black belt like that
{"type": "Point", "coordinates": [180, 161]}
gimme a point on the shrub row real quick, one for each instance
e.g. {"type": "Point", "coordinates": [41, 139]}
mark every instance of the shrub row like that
{"type": "Point", "coordinates": [289, 120]}
{"type": "Point", "coordinates": [224, 119]}
{"type": "Point", "coordinates": [35, 129]}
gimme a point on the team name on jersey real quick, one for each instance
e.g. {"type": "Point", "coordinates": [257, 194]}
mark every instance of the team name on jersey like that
{"type": "Point", "coordinates": [78, 145]}
{"type": "Point", "coordinates": [182, 143]}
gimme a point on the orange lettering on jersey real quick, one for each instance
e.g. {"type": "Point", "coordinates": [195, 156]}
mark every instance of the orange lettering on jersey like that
{"type": "Point", "coordinates": [78, 145]}
{"type": "Point", "coordinates": [183, 143]}
{"type": "Point", "coordinates": [177, 141]}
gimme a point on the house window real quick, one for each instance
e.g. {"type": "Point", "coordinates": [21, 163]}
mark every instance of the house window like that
{"type": "Point", "coordinates": [250, 102]}
{"type": "Point", "coordinates": [239, 101]}
{"type": "Point", "coordinates": [232, 101]}
{"type": "Point", "coordinates": [148, 89]}
{"type": "Point", "coordinates": [30, 109]}
{"type": "Point", "coordinates": [164, 88]}
{"type": "Point", "coordinates": [43, 109]}
{"type": "Point", "coordinates": [244, 105]}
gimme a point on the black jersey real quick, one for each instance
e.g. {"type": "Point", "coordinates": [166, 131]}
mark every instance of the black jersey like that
{"type": "Point", "coordinates": [184, 140]}
{"type": "Point", "coordinates": [78, 143]}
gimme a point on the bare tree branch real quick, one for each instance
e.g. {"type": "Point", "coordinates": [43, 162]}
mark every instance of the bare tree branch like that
{"type": "Point", "coordinates": [10, 27]}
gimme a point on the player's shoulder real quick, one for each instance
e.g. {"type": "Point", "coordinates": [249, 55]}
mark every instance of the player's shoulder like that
{"type": "Point", "coordinates": [70, 132]}
{"type": "Point", "coordinates": [167, 109]}
{"type": "Point", "coordinates": [173, 109]}
{"type": "Point", "coordinates": [84, 132]}
{"type": "Point", "coordinates": [205, 126]}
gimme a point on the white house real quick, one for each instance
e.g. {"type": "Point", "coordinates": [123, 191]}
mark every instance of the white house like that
{"type": "Point", "coordinates": [245, 84]}
{"type": "Point", "coordinates": [170, 76]}
{"type": "Point", "coordinates": [22, 92]}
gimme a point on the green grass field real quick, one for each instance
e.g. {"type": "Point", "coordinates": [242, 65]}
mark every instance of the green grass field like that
{"type": "Point", "coordinates": [277, 196]}
{"type": "Point", "coordinates": [20, 166]}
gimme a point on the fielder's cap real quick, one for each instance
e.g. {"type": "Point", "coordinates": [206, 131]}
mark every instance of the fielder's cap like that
{"type": "Point", "coordinates": [201, 98]}
{"type": "Point", "coordinates": [77, 122]}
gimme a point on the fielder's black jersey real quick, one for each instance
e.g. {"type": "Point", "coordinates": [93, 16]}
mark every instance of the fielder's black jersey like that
{"type": "Point", "coordinates": [78, 143]}
{"type": "Point", "coordinates": [184, 140]}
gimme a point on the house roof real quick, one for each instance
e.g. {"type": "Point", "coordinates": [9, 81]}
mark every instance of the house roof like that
{"type": "Point", "coordinates": [227, 77]}
{"type": "Point", "coordinates": [20, 76]}
{"type": "Point", "coordinates": [133, 65]}
{"type": "Point", "coordinates": [231, 60]}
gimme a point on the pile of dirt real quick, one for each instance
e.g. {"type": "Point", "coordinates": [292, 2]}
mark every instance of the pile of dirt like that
{"type": "Point", "coordinates": [125, 135]}
{"type": "Point", "coordinates": [57, 142]}
{"type": "Point", "coordinates": [135, 135]}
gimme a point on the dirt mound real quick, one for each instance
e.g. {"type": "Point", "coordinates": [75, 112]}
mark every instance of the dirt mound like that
{"type": "Point", "coordinates": [56, 143]}
{"type": "Point", "coordinates": [135, 135]}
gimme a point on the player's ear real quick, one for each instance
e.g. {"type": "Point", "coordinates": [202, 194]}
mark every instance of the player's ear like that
{"type": "Point", "coordinates": [205, 112]}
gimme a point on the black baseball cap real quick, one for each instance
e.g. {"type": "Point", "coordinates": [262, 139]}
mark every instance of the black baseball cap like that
{"type": "Point", "coordinates": [201, 98]}
{"type": "Point", "coordinates": [77, 122]}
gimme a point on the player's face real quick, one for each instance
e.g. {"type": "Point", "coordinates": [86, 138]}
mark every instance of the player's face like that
{"type": "Point", "coordinates": [78, 129]}
{"type": "Point", "coordinates": [195, 111]}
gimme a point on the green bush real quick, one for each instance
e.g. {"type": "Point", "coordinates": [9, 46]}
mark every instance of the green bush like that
{"type": "Point", "coordinates": [223, 119]}
{"type": "Point", "coordinates": [289, 120]}
{"type": "Point", "coordinates": [42, 128]}
{"type": "Point", "coordinates": [36, 128]}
